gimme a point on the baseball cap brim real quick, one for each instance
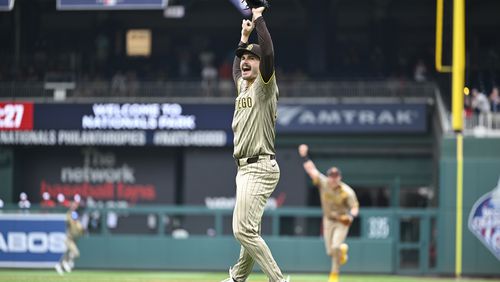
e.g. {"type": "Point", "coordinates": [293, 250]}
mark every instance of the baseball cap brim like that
{"type": "Point", "coordinates": [251, 48]}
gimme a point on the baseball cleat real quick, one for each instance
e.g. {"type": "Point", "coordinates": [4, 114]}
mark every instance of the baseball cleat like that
{"type": "Point", "coordinates": [343, 253]}
{"type": "Point", "coordinates": [334, 277]}
{"type": "Point", "coordinates": [230, 279]}
{"type": "Point", "coordinates": [66, 266]}
{"type": "Point", "coordinates": [59, 269]}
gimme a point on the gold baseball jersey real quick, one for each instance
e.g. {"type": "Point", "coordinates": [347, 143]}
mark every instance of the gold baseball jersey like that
{"type": "Point", "coordinates": [336, 201]}
{"type": "Point", "coordinates": [255, 117]}
{"type": "Point", "coordinates": [74, 227]}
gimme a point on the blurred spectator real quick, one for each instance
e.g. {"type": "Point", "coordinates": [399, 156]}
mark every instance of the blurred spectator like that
{"type": "Point", "coordinates": [77, 198]}
{"type": "Point", "coordinates": [1, 204]}
{"type": "Point", "coordinates": [132, 84]}
{"type": "Point", "coordinates": [118, 84]}
{"type": "Point", "coordinates": [24, 203]}
{"type": "Point", "coordinates": [495, 100]}
{"type": "Point", "coordinates": [207, 58]}
{"type": "Point", "coordinates": [102, 47]}
{"type": "Point", "coordinates": [468, 107]}
{"type": "Point", "coordinates": [47, 202]}
{"type": "Point", "coordinates": [184, 64]}
{"type": "Point", "coordinates": [226, 84]}
{"type": "Point", "coordinates": [209, 79]}
{"type": "Point", "coordinates": [481, 105]}
{"type": "Point", "coordinates": [420, 71]}
{"type": "Point", "coordinates": [62, 201]}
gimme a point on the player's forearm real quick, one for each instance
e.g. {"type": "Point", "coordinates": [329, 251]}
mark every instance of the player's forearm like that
{"type": "Point", "coordinates": [236, 62]}
{"type": "Point", "coordinates": [312, 171]}
{"type": "Point", "coordinates": [267, 48]}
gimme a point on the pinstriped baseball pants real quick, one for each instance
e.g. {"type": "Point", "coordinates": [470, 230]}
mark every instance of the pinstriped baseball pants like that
{"type": "Point", "coordinates": [254, 184]}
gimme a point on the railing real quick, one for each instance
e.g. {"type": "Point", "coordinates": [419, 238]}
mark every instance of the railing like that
{"type": "Point", "coordinates": [373, 223]}
{"type": "Point", "coordinates": [481, 125]}
{"type": "Point", "coordinates": [288, 88]}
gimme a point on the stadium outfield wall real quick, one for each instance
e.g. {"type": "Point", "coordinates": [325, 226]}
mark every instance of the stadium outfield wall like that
{"type": "Point", "coordinates": [481, 206]}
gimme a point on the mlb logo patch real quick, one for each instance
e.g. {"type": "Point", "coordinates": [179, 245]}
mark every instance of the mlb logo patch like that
{"type": "Point", "coordinates": [484, 220]}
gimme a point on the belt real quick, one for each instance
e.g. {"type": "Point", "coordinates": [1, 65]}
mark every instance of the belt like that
{"type": "Point", "coordinates": [251, 160]}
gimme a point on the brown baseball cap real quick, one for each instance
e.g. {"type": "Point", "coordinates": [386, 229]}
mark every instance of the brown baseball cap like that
{"type": "Point", "coordinates": [250, 48]}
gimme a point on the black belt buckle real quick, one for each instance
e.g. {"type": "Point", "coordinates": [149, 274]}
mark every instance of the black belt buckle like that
{"type": "Point", "coordinates": [252, 160]}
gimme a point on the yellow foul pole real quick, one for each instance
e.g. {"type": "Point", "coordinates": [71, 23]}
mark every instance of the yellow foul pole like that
{"type": "Point", "coordinates": [458, 74]}
{"type": "Point", "coordinates": [439, 38]}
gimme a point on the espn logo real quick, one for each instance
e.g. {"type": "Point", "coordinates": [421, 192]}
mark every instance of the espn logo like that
{"type": "Point", "coordinates": [16, 116]}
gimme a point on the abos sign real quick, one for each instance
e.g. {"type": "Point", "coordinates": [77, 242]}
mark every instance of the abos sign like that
{"type": "Point", "coordinates": [484, 220]}
{"type": "Point", "coordinates": [31, 240]}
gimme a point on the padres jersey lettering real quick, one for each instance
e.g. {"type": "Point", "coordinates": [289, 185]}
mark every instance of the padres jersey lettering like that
{"type": "Point", "coordinates": [255, 118]}
{"type": "Point", "coordinates": [339, 201]}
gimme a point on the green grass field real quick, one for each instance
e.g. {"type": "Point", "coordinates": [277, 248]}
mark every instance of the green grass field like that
{"type": "Point", "coordinates": [127, 276]}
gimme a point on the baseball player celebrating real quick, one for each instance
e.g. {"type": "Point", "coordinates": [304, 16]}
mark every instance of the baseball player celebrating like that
{"type": "Point", "coordinates": [254, 133]}
{"type": "Point", "coordinates": [339, 205]}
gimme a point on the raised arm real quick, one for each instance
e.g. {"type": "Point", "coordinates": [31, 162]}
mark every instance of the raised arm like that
{"type": "Point", "coordinates": [247, 27]}
{"type": "Point", "coordinates": [309, 166]}
{"type": "Point", "coordinates": [266, 45]}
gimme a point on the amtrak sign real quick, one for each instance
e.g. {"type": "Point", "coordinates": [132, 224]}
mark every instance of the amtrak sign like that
{"type": "Point", "coordinates": [484, 220]}
{"type": "Point", "coordinates": [352, 118]}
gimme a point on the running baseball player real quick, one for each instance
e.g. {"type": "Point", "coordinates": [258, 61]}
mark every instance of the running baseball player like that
{"type": "Point", "coordinates": [74, 230]}
{"type": "Point", "coordinates": [339, 205]}
{"type": "Point", "coordinates": [254, 133]}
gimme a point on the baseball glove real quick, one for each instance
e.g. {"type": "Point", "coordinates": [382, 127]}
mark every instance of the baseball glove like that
{"type": "Point", "coordinates": [252, 4]}
{"type": "Point", "coordinates": [345, 219]}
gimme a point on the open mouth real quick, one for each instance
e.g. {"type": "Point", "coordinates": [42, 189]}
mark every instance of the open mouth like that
{"type": "Point", "coordinates": [246, 68]}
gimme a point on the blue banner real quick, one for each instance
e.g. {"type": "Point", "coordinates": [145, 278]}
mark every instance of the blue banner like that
{"type": "Point", "coordinates": [111, 4]}
{"type": "Point", "coordinates": [6, 5]}
{"type": "Point", "coordinates": [31, 240]}
{"type": "Point", "coordinates": [352, 118]}
{"type": "Point", "coordinates": [198, 125]}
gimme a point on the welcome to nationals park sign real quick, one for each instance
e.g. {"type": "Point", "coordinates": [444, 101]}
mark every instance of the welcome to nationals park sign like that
{"type": "Point", "coordinates": [115, 124]}
{"type": "Point", "coordinates": [199, 125]}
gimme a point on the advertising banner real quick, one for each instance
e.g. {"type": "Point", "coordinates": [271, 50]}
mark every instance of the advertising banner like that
{"type": "Point", "coordinates": [189, 125]}
{"type": "Point", "coordinates": [352, 118]}
{"type": "Point", "coordinates": [32, 240]}
{"type": "Point", "coordinates": [108, 175]}
{"type": "Point", "coordinates": [116, 124]}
